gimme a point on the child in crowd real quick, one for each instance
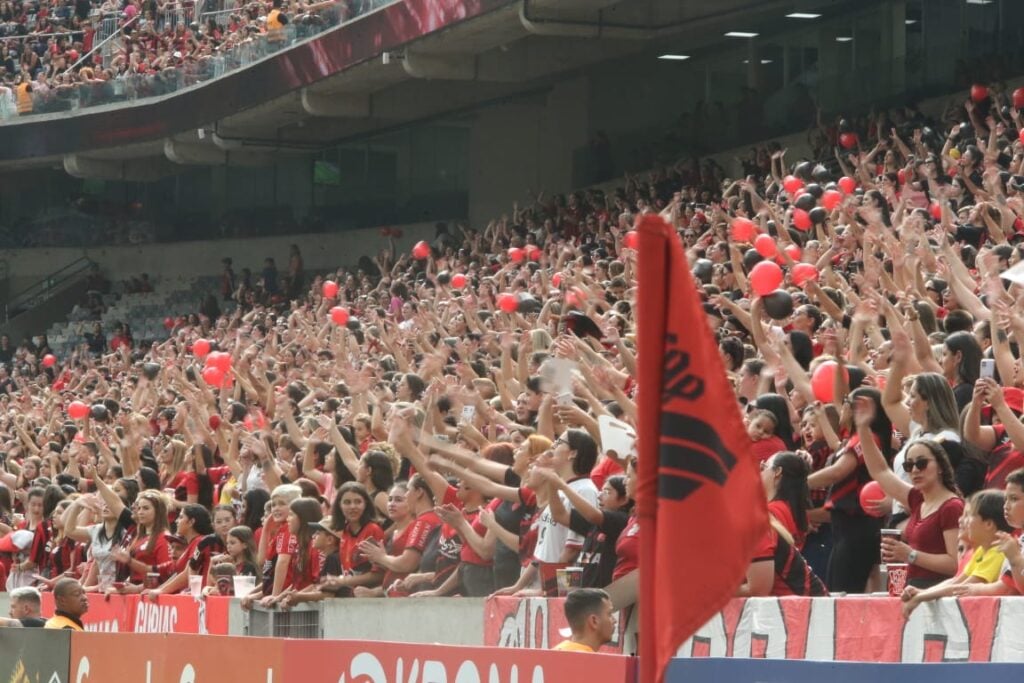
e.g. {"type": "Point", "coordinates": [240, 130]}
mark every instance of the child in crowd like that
{"type": "Point", "coordinates": [982, 520]}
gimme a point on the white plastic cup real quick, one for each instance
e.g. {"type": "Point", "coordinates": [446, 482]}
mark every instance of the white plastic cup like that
{"type": "Point", "coordinates": [244, 585]}
{"type": "Point", "coordinates": [195, 586]}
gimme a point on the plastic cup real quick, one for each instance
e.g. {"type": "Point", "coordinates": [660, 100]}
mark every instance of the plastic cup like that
{"type": "Point", "coordinates": [897, 578]}
{"type": "Point", "coordinates": [195, 586]}
{"type": "Point", "coordinates": [243, 585]}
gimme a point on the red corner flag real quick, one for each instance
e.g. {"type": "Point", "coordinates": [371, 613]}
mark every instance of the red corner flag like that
{"type": "Point", "coordinates": [701, 505]}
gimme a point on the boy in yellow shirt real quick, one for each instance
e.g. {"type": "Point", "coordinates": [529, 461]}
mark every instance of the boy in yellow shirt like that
{"type": "Point", "coordinates": [982, 520]}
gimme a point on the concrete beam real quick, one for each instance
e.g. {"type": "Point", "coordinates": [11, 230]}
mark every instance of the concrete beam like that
{"type": "Point", "coordinates": [443, 67]}
{"type": "Point", "coordinates": [347, 105]}
{"type": "Point", "coordinates": [191, 154]}
{"type": "Point", "coordinates": [138, 169]}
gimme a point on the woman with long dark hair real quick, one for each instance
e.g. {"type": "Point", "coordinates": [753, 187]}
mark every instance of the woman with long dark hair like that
{"type": "Point", "coordinates": [929, 542]}
{"type": "Point", "coordinates": [854, 531]}
{"type": "Point", "coordinates": [784, 477]}
{"type": "Point", "coordinates": [961, 365]}
{"type": "Point", "coordinates": [352, 514]}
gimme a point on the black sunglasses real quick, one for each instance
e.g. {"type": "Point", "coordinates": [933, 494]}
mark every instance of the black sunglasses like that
{"type": "Point", "coordinates": [919, 464]}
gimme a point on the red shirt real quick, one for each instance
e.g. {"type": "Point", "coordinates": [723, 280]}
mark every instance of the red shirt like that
{"type": "Point", "coordinates": [780, 510]}
{"type": "Point", "coordinates": [398, 545]}
{"type": "Point", "coordinates": [766, 448]}
{"type": "Point", "coordinates": [353, 561]}
{"type": "Point", "coordinates": [159, 555]}
{"type": "Point", "coordinates": [792, 575]}
{"type": "Point", "coordinates": [467, 554]}
{"type": "Point", "coordinates": [283, 543]}
{"type": "Point", "coordinates": [926, 535]}
{"type": "Point", "coordinates": [310, 572]}
{"type": "Point", "coordinates": [1002, 460]}
{"type": "Point", "coordinates": [627, 549]}
{"type": "Point", "coordinates": [604, 469]}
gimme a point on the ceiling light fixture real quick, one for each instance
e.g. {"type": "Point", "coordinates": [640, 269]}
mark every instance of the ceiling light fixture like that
{"type": "Point", "coordinates": [844, 39]}
{"type": "Point", "coordinates": [740, 34]}
{"type": "Point", "coordinates": [802, 15]}
{"type": "Point", "coordinates": [675, 58]}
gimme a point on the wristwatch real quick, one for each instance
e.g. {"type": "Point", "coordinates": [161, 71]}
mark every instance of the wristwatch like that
{"type": "Point", "coordinates": [912, 557]}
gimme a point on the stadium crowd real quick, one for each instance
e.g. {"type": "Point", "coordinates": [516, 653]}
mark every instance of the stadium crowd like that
{"type": "Point", "coordinates": [444, 422]}
{"type": "Point", "coordinates": [50, 59]}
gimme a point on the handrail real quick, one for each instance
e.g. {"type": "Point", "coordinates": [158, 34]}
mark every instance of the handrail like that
{"type": "Point", "coordinates": [47, 284]}
{"type": "Point", "coordinates": [101, 44]}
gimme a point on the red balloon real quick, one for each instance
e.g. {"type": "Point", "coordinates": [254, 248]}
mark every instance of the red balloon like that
{"type": "Point", "coordinates": [979, 93]}
{"type": "Point", "coordinates": [871, 492]}
{"type": "Point", "coordinates": [556, 279]}
{"type": "Point", "coordinates": [421, 250]}
{"type": "Point", "coordinates": [823, 379]}
{"type": "Point", "coordinates": [508, 303]}
{"type": "Point", "coordinates": [803, 273]}
{"type": "Point", "coordinates": [1018, 98]}
{"type": "Point", "coordinates": [936, 211]}
{"type": "Point", "coordinates": [77, 410]}
{"type": "Point", "coordinates": [339, 314]}
{"type": "Point", "coordinates": [49, 360]}
{"type": "Point", "coordinates": [168, 323]}
{"type": "Point", "coordinates": [201, 348]}
{"type": "Point", "coordinates": [458, 281]}
{"type": "Point", "coordinates": [832, 198]}
{"type": "Point", "coordinates": [802, 219]}
{"type": "Point", "coordinates": [901, 176]}
{"type": "Point", "coordinates": [220, 360]}
{"type": "Point", "coordinates": [533, 252]}
{"type": "Point", "coordinates": [743, 230]}
{"type": "Point", "coordinates": [516, 255]}
{"type": "Point", "coordinates": [631, 240]}
{"type": "Point", "coordinates": [765, 246]}
{"type": "Point", "coordinates": [793, 252]}
{"type": "Point", "coordinates": [214, 422]}
{"type": "Point", "coordinates": [1021, 136]}
{"type": "Point", "coordinates": [791, 184]}
{"type": "Point", "coordinates": [765, 278]}
{"type": "Point", "coordinates": [847, 184]}
{"type": "Point", "coordinates": [330, 289]}
{"type": "Point", "coordinates": [848, 140]}
{"type": "Point", "coordinates": [213, 376]}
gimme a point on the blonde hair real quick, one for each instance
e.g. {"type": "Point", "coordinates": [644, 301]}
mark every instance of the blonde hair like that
{"type": "Point", "coordinates": [538, 444]}
{"type": "Point", "coordinates": [287, 493]}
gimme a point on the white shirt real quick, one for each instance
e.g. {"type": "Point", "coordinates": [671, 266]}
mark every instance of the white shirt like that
{"type": "Point", "coordinates": [552, 537]}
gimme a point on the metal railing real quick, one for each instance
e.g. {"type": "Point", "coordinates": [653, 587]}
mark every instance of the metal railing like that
{"type": "Point", "coordinates": [32, 296]}
{"type": "Point", "coordinates": [236, 52]}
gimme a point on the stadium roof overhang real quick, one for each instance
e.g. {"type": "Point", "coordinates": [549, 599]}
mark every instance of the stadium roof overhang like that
{"type": "Point", "coordinates": [509, 50]}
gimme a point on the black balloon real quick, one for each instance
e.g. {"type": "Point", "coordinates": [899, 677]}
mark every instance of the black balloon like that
{"type": "Point", "coordinates": [821, 174]}
{"type": "Point", "coordinates": [99, 412]}
{"type": "Point", "coordinates": [818, 215]}
{"type": "Point", "coordinates": [844, 126]}
{"type": "Point", "coordinates": [751, 258]}
{"type": "Point", "coordinates": [778, 305]}
{"type": "Point", "coordinates": [703, 269]}
{"type": "Point", "coordinates": [814, 189]}
{"type": "Point", "coordinates": [150, 370]}
{"type": "Point", "coordinates": [444, 277]}
{"type": "Point", "coordinates": [353, 325]}
{"type": "Point", "coordinates": [528, 304]}
{"type": "Point", "coordinates": [805, 201]}
{"type": "Point", "coordinates": [803, 170]}
{"type": "Point", "coordinates": [772, 228]}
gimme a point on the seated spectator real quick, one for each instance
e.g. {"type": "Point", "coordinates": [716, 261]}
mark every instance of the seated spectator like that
{"type": "Point", "coordinates": [982, 563]}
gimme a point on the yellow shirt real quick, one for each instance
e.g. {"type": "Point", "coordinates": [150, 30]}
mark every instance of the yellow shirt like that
{"type": "Point", "coordinates": [62, 622]}
{"type": "Point", "coordinates": [570, 646]}
{"type": "Point", "coordinates": [985, 563]}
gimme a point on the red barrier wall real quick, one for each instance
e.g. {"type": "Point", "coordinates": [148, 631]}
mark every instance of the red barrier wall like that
{"type": "Point", "coordinates": [165, 614]}
{"type": "Point", "coordinates": [174, 658]}
{"type": "Point", "coordinates": [537, 623]}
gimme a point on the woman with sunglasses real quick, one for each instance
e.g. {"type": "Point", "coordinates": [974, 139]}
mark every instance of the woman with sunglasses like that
{"type": "Point", "coordinates": [929, 542]}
